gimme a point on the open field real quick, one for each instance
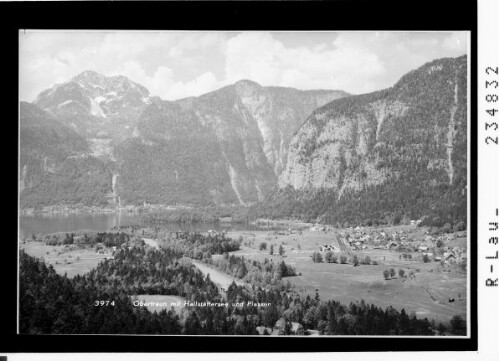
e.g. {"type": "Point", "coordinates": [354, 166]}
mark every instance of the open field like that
{"type": "Point", "coordinates": [70, 260]}
{"type": "Point", "coordinates": [169, 301]}
{"type": "Point", "coordinates": [426, 292]}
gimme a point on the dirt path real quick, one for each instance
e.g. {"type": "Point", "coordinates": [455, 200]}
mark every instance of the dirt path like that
{"type": "Point", "coordinates": [221, 279]}
{"type": "Point", "coordinates": [343, 247]}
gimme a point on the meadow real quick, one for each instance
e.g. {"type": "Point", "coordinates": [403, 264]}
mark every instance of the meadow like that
{"type": "Point", "coordinates": [70, 260]}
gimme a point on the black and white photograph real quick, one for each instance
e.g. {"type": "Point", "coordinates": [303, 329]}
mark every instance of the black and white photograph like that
{"type": "Point", "coordinates": [259, 183]}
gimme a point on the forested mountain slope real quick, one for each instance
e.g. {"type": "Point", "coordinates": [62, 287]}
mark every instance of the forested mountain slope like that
{"type": "Point", "coordinates": [225, 147]}
{"type": "Point", "coordinates": [55, 164]}
{"type": "Point", "coordinates": [397, 152]}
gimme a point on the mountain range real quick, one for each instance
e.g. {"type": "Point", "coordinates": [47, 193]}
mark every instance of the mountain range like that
{"type": "Point", "coordinates": [99, 140]}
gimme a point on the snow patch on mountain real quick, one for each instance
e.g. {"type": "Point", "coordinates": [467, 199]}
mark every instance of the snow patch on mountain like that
{"type": "Point", "coordinates": [95, 108]}
{"type": "Point", "coordinates": [64, 103]}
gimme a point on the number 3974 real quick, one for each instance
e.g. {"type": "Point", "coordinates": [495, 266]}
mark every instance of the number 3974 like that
{"type": "Point", "coordinates": [491, 98]}
{"type": "Point", "coordinates": [104, 303]}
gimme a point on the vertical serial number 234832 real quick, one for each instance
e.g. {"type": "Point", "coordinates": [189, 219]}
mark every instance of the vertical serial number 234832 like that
{"type": "Point", "coordinates": [491, 97]}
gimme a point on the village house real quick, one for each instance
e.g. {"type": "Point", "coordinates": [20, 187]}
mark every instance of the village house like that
{"type": "Point", "coordinates": [391, 245]}
{"type": "Point", "coordinates": [449, 258]}
{"type": "Point", "coordinates": [429, 238]}
{"type": "Point", "coordinates": [297, 328]}
{"type": "Point", "coordinates": [261, 330]}
{"type": "Point", "coordinates": [280, 324]}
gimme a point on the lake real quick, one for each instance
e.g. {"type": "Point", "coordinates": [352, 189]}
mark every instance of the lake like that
{"type": "Point", "coordinates": [51, 223]}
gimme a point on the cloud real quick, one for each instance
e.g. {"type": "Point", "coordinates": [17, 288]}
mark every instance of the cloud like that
{"type": "Point", "coordinates": [173, 65]}
{"type": "Point", "coordinates": [259, 57]}
{"type": "Point", "coordinates": [457, 41]}
{"type": "Point", "coordinates": [163, 84]}
{"type": "Point", "coordinates": [159, 61]}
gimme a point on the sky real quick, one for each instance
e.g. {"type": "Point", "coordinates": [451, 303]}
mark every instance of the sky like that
{"type": "Point", "coordinates": [174, 65]}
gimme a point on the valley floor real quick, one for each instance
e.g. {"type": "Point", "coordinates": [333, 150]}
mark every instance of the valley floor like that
{"type": "Point", "coordinates": [425, 289]}
{"type": "Point", "coordinates": [426, 292]}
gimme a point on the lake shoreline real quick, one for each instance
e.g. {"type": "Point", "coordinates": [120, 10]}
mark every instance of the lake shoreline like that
{"type": "Point", "coordinates": [62, 209]}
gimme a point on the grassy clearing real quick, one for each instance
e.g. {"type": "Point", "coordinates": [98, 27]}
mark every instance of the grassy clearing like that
{"type": "Point", "coordinates": [81, 260]}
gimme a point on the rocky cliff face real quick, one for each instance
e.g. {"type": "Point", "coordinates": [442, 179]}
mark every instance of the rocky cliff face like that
{"type": "Point", "coordinates": [416, 127]}
{"type": "Point", "coordinates": [96, 105]}
{"type": "Point", "coordinates": [227, 146]}
{"type": "Point", "coordinates": [56, 165]}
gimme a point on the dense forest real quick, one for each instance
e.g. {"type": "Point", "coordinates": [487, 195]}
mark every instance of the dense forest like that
{"type": "Point", "coordinates": [196, 245]}
{"type": "Point", "coordinates": [393, 202]}
{"type": "Point", "coordinates": [265, 275]}
{"type": "Point", "coordinates": [50, 303]}
{"type": "Point", "coordinates": [208, 214]}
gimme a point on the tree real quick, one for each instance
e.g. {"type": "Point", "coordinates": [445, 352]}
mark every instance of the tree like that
{"type": "Point", "coordinates": [386, 274]}
{"type": "Point", "coordinates": [441, 329]}
{"type": "Point", "coordinates": [316, 257]}
{"type": "Point", "coordinates": [355, 261]}
{"type": "Point", "coordinates": [271, 249]}
{"type": "Point", "coordinates": [281, 250]}
{"type": "Point", "coordinates": [401, 273]}
{"type": "Point", "coordinates": [263, 246]}
{"type": "Point", "coordinates": [460, 226]}
{"type": "Point", "coordinates": [392, 272]}
{"type": "Point", "coordinates": [283, 269]}
{"type": "Point", "coordinates": [329, 256]}
{"type": "Point", "coordinates": [458, 325]}
{"type": "Point", "coordinates": [367, 260]}
{"type": "Point", "coordinates": [426, 259]}
{"type": "Point", "coordinates": [242, 271]}
{"type": "Point", "coordinates": [343, 259]}
{"type": "Point", "coordinates": [192, 325]}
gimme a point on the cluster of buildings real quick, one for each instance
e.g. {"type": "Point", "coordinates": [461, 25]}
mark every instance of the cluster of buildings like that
{"type": "Point", "coordinates": [431, 246]}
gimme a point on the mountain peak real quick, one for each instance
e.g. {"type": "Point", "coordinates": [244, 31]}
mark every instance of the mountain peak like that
{"type": "Point", "coordinates": [89, 75]}
{"type": "Point", "coordinates": [247, 82]}
{"type": "Point", "coordinates": [247, 87]}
